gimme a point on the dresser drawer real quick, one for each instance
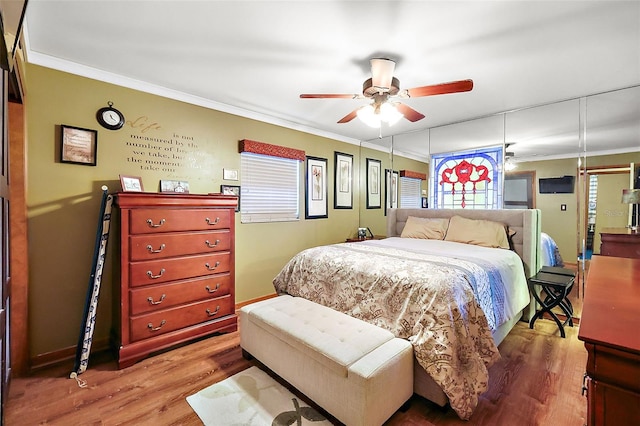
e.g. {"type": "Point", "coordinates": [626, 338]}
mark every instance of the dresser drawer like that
{"type": "Point", "coordinates": [180, 268]}
{"type": "Point", "coordinates": [157, 323]}
{"type": "Point", "coordinates": [163, 296]}
{"type": "Point", "coordinates": [148, 221]}
{"type": "Point", "coordinates": [160, 246]}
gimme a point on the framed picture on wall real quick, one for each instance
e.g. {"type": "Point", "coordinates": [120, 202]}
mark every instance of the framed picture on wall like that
{"type": "Point", "coordinates": [374, 199]}
{"type": "Point", "coordinates": [343, 182]}
{"type": "Point", "coordinates": [231, 190]}
{"type": "Point", "coordinates": [390, 190]}
{"type": "Point", "coordinates": [316, 194]}
{"type": "Point", "coordinates": [78, 145]}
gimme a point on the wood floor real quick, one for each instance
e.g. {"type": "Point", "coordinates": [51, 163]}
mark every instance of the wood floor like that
{"type": "Point", "coordinates": [537, 382]}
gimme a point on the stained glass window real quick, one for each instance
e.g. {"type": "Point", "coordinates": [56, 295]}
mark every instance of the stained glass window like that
{"type": "Point", "coordinates": [467, 179]}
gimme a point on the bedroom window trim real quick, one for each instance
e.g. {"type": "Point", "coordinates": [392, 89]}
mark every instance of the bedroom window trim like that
{"type": "Point", "coordinates": [270, 188]}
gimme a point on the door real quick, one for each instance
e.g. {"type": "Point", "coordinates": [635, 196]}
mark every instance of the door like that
{"type": "Point", "coordinates": [5, 364]}
{"type": "Point", "coordinates": [610, 212]}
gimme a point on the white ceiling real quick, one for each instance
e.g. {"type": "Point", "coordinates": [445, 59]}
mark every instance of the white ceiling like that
{"type": "Point", "coordinates": [254, 58]}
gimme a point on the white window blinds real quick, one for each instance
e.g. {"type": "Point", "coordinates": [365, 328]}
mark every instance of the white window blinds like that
{"type": "Point", "coordinates": [410, 192]}
{"type": "Point", "coordinates": [270, 188]}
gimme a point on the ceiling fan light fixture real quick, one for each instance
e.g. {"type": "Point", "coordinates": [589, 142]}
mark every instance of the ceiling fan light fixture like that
{"type": "Point", "coordinates": [382, 73]}
{"type": "Point", "coordinates": [368, 116]}
{"type": "Point", "coordinates": [373, 117]}
{"type": "Point", "coordinates": [389, 113]}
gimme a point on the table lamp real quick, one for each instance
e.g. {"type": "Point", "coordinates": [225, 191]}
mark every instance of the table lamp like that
{"type": "Point", "coordinates": [632, 196]}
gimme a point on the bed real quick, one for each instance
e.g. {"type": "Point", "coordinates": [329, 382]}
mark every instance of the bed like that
{"type": "Point", "coordinates": [454, 302]}
{"type": "Point", "coordinates": [550, 251]}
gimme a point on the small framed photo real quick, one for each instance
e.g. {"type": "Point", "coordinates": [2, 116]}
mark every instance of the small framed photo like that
{"type": "Point", "coordinates": [78, 145]}
{"type": "Point", "coordinates": [174, 186]}
{"type": "Point", "coordinates": [231, 190]}
{"type": "Point", "coordinates": [131, 183]}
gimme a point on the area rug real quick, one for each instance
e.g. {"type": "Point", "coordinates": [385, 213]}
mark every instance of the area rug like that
{"type": "Point", "coordinates": [252, 397]}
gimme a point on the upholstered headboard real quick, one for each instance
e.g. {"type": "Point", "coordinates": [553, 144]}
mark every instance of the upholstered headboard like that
{"type": "Point", "coordinates": [526, 223]}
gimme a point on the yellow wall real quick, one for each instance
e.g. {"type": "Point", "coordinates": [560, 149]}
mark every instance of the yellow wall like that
{"type": "Point", "coordinates": [63, 199]}
{"type": "Point", "coordinates": [562, 226]}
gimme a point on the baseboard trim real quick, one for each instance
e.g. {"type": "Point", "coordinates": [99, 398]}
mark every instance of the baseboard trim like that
{"type": "Point", "coordinates": [50, 359]}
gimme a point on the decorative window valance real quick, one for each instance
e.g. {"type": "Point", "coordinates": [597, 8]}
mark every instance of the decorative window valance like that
{"type": "Point", "coordinates": [413, 175]}
{"type": "Point", "coordinates": [262, 148]}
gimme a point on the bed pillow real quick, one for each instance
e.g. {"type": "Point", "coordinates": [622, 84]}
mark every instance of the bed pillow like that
{"type": "Point", "coordinates": [483, 233]}
{"type": "Point", "coordinates": [426, 228]}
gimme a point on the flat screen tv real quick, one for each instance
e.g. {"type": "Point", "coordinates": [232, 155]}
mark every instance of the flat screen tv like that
{"type": "Point", "coordinates": [556, 185]}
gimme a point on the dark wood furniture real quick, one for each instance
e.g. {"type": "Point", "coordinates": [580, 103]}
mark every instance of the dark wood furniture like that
{"type": "Point", "coordinates": [620, 242]}
{"type": "Point", "coordinates": [609, 328]}
{"type": "Point", "coordinates": [355, 240]}
{"type": "Point", "coordinates": [556, 284]}
{"type": "Point", "coordinates": [177, 278]}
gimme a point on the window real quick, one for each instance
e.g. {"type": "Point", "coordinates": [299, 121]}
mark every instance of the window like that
{"type": "Point", "coordinates": [467, 179]}
{"type": "Point", "coordinates": [270, 190]}
{"type": "Point", "coordinates": [410, 193]}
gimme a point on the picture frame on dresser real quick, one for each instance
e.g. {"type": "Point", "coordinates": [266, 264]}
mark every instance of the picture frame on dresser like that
{"type": "Point", "coordinates": [131, 183]}
{"type": "Point", "coordinates": [174, 186]}
{"type": "Point", "coordinates": [231, 190]}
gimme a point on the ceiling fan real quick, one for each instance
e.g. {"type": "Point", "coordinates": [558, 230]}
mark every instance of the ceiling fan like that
{"type": "Point", "coordinates": [384, 88]}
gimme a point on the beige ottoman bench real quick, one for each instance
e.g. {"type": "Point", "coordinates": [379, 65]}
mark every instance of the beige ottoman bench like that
{"type": "Point", "coordinates": [359, 373]}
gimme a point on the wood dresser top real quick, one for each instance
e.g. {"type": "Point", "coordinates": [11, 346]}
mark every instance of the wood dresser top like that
{"type": "Point", "coordinates": [620, 231]}
{"type": "Point", "coordinates": [611, 310]}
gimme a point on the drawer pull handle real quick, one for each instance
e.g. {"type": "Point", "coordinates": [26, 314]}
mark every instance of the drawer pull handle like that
{"type": "Point", "coordinates": [153, 277]}
{"type": "Point", "coordinates": [153, 225]}
{"type": "Point", "coordinates": [214, 290]}
{"type": "Point", "coordinates": [212, 268]}
{"type": "Point", "coordinates": [212, 245]}
{"type": "Point", "coordinates": [151, 250]}
{"type": "Point", "coordinates": [151, 302]}
{"type": "Point", "coordinates": [214, 312]}
{"type": "Point", "coordinates": [215, 222]}
{"type": "Point", "coordinates": [152, 328]}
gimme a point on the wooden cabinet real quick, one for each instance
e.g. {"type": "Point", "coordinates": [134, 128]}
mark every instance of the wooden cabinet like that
{"type": "Point", "coordinates": [177, 277]}
{"type": "Point", "coordinates": [609, 327]}
{"type": "Point", "coordinates": [620, 242]}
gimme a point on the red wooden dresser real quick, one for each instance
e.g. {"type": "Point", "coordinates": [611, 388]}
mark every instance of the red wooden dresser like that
{"type": "Point", "coordinates": [610, 329]}
{"type": "Point", "coordinates": [176, 271]}
{"type": "Point", "coordinates": [620, 242]}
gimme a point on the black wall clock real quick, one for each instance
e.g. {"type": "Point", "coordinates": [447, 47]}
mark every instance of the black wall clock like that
{"type": "Point", "coordinates": [109, 117]}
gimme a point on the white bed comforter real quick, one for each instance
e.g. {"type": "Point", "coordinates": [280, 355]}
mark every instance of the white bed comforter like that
{"type": "Point", "coordinates": [444, 297]}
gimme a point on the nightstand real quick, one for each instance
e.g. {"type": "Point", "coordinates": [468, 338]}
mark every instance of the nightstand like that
{"type": "Point", "coordinates": [357, 240]}
{"type": "Point", "coordinates": [556, 286]}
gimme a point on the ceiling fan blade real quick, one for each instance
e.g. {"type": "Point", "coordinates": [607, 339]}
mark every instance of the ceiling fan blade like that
{"type": "Point", "coordinates": [441, 89]}
{"type": "Point", "coordinates": [409, 113]}
{"type": "Point", "coordinates": [328, 95]}
{"type": "Point", "coordinates": [347, 118]}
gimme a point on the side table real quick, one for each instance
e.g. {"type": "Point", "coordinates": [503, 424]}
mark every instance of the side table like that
{"type": "Point", "coordinates": [556, 286]}
{"type": "Point", "coordinates": [356, 240]}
